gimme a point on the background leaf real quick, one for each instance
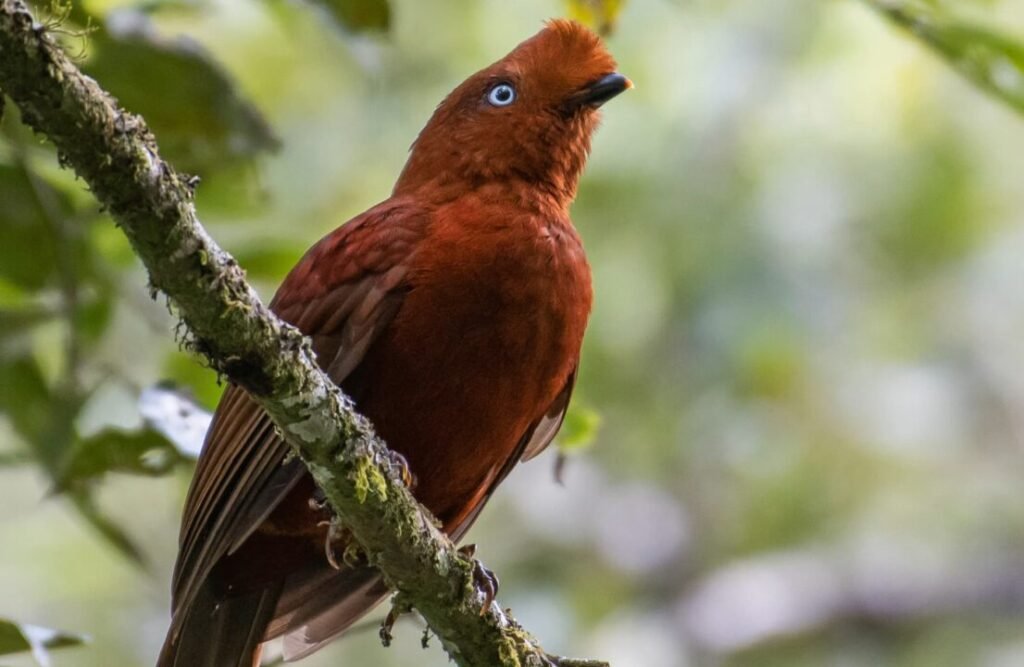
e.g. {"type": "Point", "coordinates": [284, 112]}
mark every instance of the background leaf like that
{"type": "Point", "coordinates": [173, 434]}
{"type": "Point", "coordinates": [25, 398]}
{"type": "Point", "coordinates": [141, 452]}
{"type": "Point", "coordinates": [579, 429]}
{"type": "Point", "coordinates": [20, 637]}
{"type": "Point", "coordinates": [601, 15]}
{"type": "Point", "coordinates": [27, 255]}
{"type": "Point", "coordinates": [992, 60]}
{"type": "Point", "coordinates": [359, 15]}
{"type": "Point", "coordinates": [187, 99]}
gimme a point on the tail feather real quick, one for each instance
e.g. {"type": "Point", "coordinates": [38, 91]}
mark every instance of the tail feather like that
{"type": "Point", "coordinates": [220, 632]}
{"type": "Point", "coordinates": [336, 606]}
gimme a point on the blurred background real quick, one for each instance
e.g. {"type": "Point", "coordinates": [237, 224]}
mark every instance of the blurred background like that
{"type": "Point", "coordinates": [806, 226]}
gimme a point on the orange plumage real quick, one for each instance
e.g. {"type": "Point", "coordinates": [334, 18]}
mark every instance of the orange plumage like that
{"type": "Point", "coordinates": [453, 314]}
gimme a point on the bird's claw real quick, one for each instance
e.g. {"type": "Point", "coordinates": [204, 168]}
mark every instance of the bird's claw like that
{"type": "Point", "coordinates": [386, 626]}
{"type": "Point", "coordinates": [484, 580]}
{"type": "Point", "coordinates": [318, 501]}
{"type": "Point", "coordinates": [335, 531]}
{"type": "Point", "coordinates": [398, 607]}
{"type": "Point", "coordinates": [397, 462]}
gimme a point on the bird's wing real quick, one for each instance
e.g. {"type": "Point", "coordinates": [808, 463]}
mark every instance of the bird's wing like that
{"type": "Point", "coordinates": [534, 441]}
{"type": "Point", "coordinates": [547, 426]}
{"type": "Point", "coordinates": [343, 293]}
{"type": "Point", "coordinates": [327, 602]}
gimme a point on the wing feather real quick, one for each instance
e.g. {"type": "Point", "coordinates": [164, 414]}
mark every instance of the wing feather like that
{"type": "Point", "coordinates": [343, 294]}
{"type": "Point", "coordinates": [535, 440]}
{"type": "Point", "coordinates": [548, 425]}
{"type": "Point", "coordinates": [320, 608]}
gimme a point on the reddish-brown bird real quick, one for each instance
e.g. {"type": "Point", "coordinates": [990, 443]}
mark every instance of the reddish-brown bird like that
{"type": "Point", "coordinates": [453, 314]}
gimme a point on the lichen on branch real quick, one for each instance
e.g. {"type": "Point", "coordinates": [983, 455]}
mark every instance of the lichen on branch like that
{"type": "Point", "coordinates": [117, 156]}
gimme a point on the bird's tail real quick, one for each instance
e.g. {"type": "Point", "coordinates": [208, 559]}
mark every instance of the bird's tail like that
{"type": "Point", "coordinates": [219, 632]}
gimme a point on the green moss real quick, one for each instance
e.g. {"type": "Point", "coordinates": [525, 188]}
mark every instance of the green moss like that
{"type": "Point", "coordinates": [367, 477]}
{"type": "Point", "coordinates": [508, 653]}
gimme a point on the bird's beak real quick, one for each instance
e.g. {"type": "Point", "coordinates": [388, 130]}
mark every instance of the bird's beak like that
{"type": "Point", "coordinates": [598, 92]}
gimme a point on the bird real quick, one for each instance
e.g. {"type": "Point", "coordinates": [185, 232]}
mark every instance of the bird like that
{"type": "Point", "coordinates": [452, 313]}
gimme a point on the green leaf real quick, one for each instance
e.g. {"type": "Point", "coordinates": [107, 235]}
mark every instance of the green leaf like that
{"type": "Point", "coordinates": [27, 254]}
{"type": "Point", "coordinates": [601, 15]}
{"type": "Point", "coordinates": [24, 396]}
{"type": "Point", "coordinates": [358, 15]}
{"type": "Point", "coordinates": [174, 430]}
{"type": "Point", "coordinates": [44, 244]}
{"type": "Point", "coordinates": [992, 60]}
{"type": "Point", "coordinates": [141, 452]}
{"type": "Point", "coordinates": [579, 429]}
{"type": "Point", "coordinates": [187, 99]}
{"type": "Point", "coordinates": [20, 637]}
{"type": "Point", "coordinates": [42, 415]}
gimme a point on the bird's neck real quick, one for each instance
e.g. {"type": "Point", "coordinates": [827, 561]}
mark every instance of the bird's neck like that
{"type": "Point", "coordinates": [550, 199]}
{"type": "Point", "coordinates": [542, 174]}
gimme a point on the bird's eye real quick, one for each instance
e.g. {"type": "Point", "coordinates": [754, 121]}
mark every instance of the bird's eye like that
{"type": "Point", "coordinates": [501, 95]}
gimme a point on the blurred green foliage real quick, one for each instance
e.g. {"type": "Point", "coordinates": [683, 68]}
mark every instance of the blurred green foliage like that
{"type": "Point", "coordinates": [15, 638]}
{"type": "Point", "coordinates": [993, 60]}
{"type": "Point", "coordinates": [579, 429]}
{"type": "Point", "coordinates": [601, 15]}
{"type": "Point", "coordinates": [196, 111]}
{"type": "Point", "coordinates": [805, 354]}
{"type": "Point", "coordinates": [359, 14]}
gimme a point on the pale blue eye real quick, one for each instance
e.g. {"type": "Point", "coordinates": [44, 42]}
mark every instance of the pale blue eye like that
{"type": "Point", "coordinates": [501, 95]}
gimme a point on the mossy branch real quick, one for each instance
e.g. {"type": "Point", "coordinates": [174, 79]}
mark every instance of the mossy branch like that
{"type": "Point", "coordinates": [116, 155]}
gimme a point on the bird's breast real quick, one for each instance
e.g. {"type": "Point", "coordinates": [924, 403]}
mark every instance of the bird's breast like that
{"type": "Point", "coordinates": [484, 341]}
{"type": "Point", "coordinates": [514, 293]}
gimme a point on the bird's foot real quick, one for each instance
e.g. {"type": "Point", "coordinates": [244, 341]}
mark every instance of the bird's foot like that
{"type": "Point", "coordinates": [386, 626]}
{"type": "Point", "coordinates": [398, 607]}
{"type": "Point", "coordinates": [484, 580]}
{"type": "Point", "coordinates": [318, 501]}
{"type": "Point", "coordinates": [398, 463]}
{"type": "Point", "coordinates": [336, 533]}
{"type": "Point", "coordinates": [354, 556]}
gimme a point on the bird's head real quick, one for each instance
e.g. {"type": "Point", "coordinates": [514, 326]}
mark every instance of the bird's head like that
{"type": "Point", "coordinates": [526, 119]}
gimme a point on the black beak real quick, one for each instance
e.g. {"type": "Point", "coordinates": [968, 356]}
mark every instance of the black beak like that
{"type": "Point", "coordinates": [597, 93]}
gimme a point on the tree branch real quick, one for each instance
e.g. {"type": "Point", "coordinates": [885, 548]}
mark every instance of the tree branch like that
{"type": "Point", "coordinates": [116, 155]}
